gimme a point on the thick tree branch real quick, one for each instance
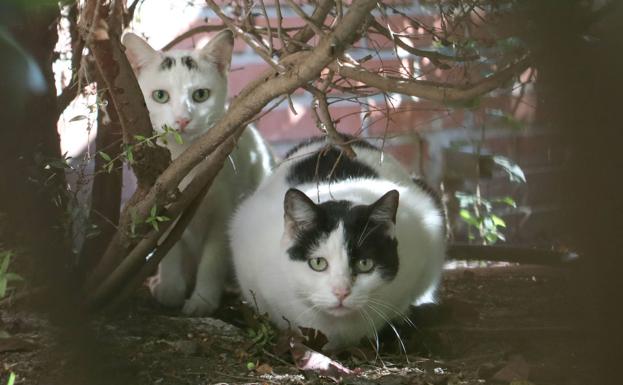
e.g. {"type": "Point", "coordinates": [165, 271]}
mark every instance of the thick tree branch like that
{"type": "Point", "coordinates": [439, 92]}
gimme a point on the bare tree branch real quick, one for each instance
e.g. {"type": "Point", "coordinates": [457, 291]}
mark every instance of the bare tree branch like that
{"type": "Point", "coordinates": [248, 38]}
{"type": "Point", "coordinates": [317, 18]}
{"type": "Point", "coordinates": [314, 25]}
{"type": "Point", "coordinates": [439, 92]}
{"type": "Point", "coordinates": [192, 32]}
{"type": "Point", "coordinates": [435, 57]}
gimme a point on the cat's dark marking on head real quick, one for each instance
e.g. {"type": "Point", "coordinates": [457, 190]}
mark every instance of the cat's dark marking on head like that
{"type": "Point", "coordinates": [330, 165]}
{"type": "Point", "coordinates": [167, 63]}
{"type": "Point", "coordinates": [364, 237]}
{"type": "Point", "coordinates": [189, 62]}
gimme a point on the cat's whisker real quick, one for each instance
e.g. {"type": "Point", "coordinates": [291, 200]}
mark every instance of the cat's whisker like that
{"type": "Point", "coordinates": [390, 307]}
{"type": "Point", "coordinates": [369, 319]}
{"type": "Point", "coordinates": [391, 325]}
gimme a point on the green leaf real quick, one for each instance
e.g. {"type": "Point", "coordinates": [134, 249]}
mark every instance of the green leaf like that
{"type": "Point", "coordinates": [468, 217]}
{"type": "Point", "coordinates": [515, 173]}
{"type": "Point", "coordinates": [140, 138]}
{"type": "Point", "coordinates": [178, 137]}
{"type": "Point", "coordinates": [4, 265]}
{"type": "Point", "coordinates": [491, 238]}
{"type": "Point", "coordinates": [11, 379]}
{"type": "Point", "coordinates": [13, 277]}
{"type": "Point", "coordinates": [153, 211]}
{"type": "Point", "coordinates": [497, 221]}
{"type": "Point", "coordinates": [104, 156]}
{"type": "Point", "coordinates": [3, 285]}
{"type": "Point", "coordinates": [509, 201]}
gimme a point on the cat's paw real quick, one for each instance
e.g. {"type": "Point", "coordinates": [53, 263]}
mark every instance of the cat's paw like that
{"type": "Point", "coordinates": [169, 293]}
{"type": "Point", "coordinates": [198, 305]}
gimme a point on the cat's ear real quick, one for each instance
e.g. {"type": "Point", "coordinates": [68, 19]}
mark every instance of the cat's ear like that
{"type": "Point", "coordinates": [300, 212]}
{"type": "Point", "coordinates": [138, 51]}
{"type": "Point", "coordinates": [384, 209]}
{"type": "Point", "coordinates": [219, 50]}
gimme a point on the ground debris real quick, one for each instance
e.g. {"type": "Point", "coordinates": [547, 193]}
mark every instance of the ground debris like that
{"type": "Point", "coordinates": [497, 327]}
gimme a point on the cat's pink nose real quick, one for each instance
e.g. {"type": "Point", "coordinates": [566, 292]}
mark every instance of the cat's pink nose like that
{"type": "Point", "coordinates": [341, 293]}
{"type": "Point", "coordinates": [182, 123]}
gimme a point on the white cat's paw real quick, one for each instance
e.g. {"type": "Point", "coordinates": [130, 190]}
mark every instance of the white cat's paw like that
{"type": "Point", "coordinates": [169, 293]}
{"type": "Point", "coordinates": [198, 305]}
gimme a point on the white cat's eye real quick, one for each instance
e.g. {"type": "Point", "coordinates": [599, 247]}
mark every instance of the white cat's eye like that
{"type": "Point", "coordinates": [201, 95]}
{"type": "Point", "coordinates": [160, 96]}
{"type": "Point", "coordinates": [318, 264]}
{"type": "Point", "coordinates": [365, 265]}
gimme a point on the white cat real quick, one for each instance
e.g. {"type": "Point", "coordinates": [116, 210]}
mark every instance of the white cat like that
{"type": "Point", "coordinates": [343, 249]}
{"type": "Point", "coordinates": [187, 91]}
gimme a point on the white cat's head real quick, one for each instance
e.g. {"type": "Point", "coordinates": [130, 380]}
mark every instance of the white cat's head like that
{"type": "Point", "coordinates": [340, 254]}
{"type": "Point", "coordinates": [185, 90]}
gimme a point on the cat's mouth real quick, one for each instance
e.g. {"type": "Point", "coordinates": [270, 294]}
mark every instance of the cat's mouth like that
{"type": "Point", "coordinates": [339, 310]}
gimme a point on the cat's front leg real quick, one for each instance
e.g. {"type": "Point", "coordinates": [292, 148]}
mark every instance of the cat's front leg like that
{"type": "Point", "coordinates": [212, 274]}
{"type": "Point", "coordinates": [170, 285]}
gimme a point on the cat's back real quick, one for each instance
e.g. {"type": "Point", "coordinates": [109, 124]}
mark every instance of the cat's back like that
{"type": "Point", "coordinates": [317, 160]}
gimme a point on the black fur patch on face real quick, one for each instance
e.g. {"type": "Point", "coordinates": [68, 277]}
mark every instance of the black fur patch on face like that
{"type": "Point", "coordinates": [167, 63]}
{"type": "Point", "coordinates": [328, 166]}
{"type": "Point", "coordinates": [189, 62]}
{"type": "Point", "coordinates": [364, 238]}
{"type": "Point", "coordinates": [328, 216]}
{"type": "Point", "coordinates": [368, 239]}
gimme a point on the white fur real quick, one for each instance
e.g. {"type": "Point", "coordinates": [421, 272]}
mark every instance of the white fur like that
{"type": "Point", "coordinates": [201, 259]}
{"type": "Point", "coordinates": [292, 290]}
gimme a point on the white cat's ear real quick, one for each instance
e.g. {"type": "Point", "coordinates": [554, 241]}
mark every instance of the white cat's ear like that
{"type": "Point", "coordinates": [384, 209]}
{"type": "Point", "coordinates": [300, 212]}
{"type": "Point", "coordinates": [138, 51]}
{"type": "Point", "coordinates": [219, 50]}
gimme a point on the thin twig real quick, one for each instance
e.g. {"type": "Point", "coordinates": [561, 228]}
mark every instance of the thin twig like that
{"type": "Point", "coordinates": [270, 31]}
{"type": "Point", "coordinates": [248, 38]}
{"type": "Point", "coordinates": [324, 115]}
{"type": "Point", "coordinates": [192, 32]}
{"type": "Point", "coordinates": [440, 92]}
{"type": "Point", "coordinates": [311, 23]}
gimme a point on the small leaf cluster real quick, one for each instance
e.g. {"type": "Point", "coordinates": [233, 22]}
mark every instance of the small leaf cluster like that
{"type": "Point", "coordinates": [478, 212]}
{"type": "Point", "coordinates": [127, 155]}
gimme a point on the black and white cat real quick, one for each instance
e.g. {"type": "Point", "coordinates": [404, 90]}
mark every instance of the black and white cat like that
{"type": "Point", "coordinates": [343, 248]}
{"type": "Point", "coordinates": [187, 91]}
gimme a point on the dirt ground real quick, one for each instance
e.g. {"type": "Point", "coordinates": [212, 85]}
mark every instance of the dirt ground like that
{"type": "Point", "coordinates": [504, 325]}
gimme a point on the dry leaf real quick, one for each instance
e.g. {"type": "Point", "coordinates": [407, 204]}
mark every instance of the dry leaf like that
{"type": "Point", "coordinates": [310, 360]}
{"type": "Point", "coordinates": [264, 369]}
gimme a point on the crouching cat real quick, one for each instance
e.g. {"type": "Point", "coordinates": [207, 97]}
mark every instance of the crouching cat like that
{"type": "Point", "coordinates": [187, 91]}
{"type": "Point", "coordinates": [343, 247]}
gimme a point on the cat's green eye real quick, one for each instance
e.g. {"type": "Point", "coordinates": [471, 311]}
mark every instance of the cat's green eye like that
{"type": "Point", "coordinates": [201, 95]}
{"type": "Point", "coordinates": [160, 96]}
{"type": "Point", "coordinates": [318, 264]}
{"type": "Point", "coordinates": [365, 265]}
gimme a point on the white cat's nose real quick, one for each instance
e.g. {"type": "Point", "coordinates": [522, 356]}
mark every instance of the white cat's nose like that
{"type": "Point", "coordinates": [182, 123]}
{"type": "Point", "coordinates": [341, 293]}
